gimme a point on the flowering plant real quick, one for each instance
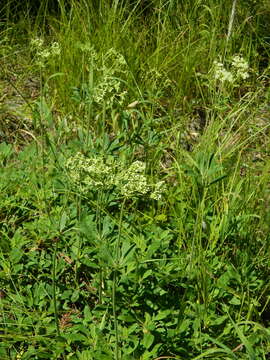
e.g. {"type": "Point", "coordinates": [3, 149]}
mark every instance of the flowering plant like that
{"type": "Point", "coordinates": [238, 70]}
{"type": "Point", "coordinates": [96, 173]}
{"type": "Point", "coordinates": [43, 53]}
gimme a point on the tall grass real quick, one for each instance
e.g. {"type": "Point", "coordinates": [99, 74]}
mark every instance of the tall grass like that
{"type": "Point", "coordinates": [97, 261]}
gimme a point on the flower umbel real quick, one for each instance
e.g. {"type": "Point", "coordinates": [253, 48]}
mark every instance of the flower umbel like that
{"type": "Point", "coordinates": [158, 190]}
{"type": "Point", "coordinates": [240, 66]}
{"type": "Point", "coordinates": [110, 87]}
{"type": "Point", "coordinates": [90, 174]}
{"type": "Point", "coordinates": [44, 53]}
{"type": "Point", "coordinates": [132, 181]}
{"type": "Point", "coordinates": [221, 74]}
{"type": "Point", "coordinates": [36, 43]}
{"type": "Point", "coordinates": [238, 70]}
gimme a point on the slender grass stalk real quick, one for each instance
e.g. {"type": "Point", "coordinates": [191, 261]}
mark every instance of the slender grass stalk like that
{"type": "Point", "coordinates": [115, 315]}
{"type": "Point", "coordinates": [99, 230]}
{"type": "Point", "coordinates": [232, 16]}
{"type": "Point", "coordinates": [115, 280]}
{"type": "Point", "coordinates": [47, 140]}
{"type": "Point", "coordinates": [54, 289]}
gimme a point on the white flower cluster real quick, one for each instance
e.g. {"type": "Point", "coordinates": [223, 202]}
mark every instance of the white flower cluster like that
{"type": "Point", "coordinates": [238, 70]}
{"type": "Point", "coordinates": [158, 190]}
{"type": "Point", "coordinates": [43, 53]}
{"type": "Point", "coordinates": [37, 43]}
{"type": "Point", "coordinates": [109, 69]}
{"type": "Point", "coordinates": [241, 67]}
{"type": "Point", "coordinates": [221, 73]}
{"type": "Point", "coordinates": [109, 88]}
{"type": "Point", "coordinates": [89, 174]}
{"type": "Point", "coordinates": [133, 181]}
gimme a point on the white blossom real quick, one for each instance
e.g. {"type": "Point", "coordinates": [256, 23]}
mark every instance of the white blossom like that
{"type": "Point", "coordinates": [238, 70]}
{"type": "Point", "coordinates": [88, 174]}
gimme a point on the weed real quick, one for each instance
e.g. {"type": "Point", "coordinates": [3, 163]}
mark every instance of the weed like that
{"type": "Point", "coordinates": [134, 181]}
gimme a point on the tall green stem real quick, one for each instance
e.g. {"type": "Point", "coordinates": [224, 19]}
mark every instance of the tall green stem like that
{"type": "Point", "coordinates": [54, 290]}
{"type": "Point", "coordinates": [115, 279]}
{"type": "Point", "coordinates": [232, 16]}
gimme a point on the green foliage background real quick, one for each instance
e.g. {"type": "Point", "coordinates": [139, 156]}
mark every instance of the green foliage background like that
{"type": "Point", "coordinates": [90, 272]}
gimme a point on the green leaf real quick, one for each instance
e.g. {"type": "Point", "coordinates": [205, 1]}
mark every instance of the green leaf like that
{"type": "Point", "coordinates": [87, 313]}
{"type": "Point", "coordinates": [63, 221]}
{"type": "Point", "coordinates": [75, 296]}
{"type": "Point", "coordinates": [73, 337]}
{"type": "Point", "coordinates": [235, 301]}
{"type": "Point", "coordinates": [147, 274]}
{"type": "Point", "coordinates": [16, 255]}
{"type": "Point", "coordinates": [84, 355]}
{"type": "Point", "coordinates": [244, 340]}
{"type": "Point", "coordinates": [148, 340]}
{"type": "Point", "coordinates": [217, 180]}
{"type": "Point", "coordinates": [162, 315]}
{"type": "Point", "coordinates": [89, 263]}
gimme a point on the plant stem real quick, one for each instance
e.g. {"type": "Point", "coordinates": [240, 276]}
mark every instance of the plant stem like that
{"type": "Point", "coordinates": [114, 314]}
{"type": "Point", "coordinates": [231, 20]}
{"type": "Point", "coordinates": [54, 290]}
{"type": "Point", "coordinates": [115, 278]}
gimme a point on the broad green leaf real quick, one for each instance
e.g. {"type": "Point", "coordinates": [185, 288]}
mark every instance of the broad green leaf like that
{"type": "Point", "coordinates": [148, 340]}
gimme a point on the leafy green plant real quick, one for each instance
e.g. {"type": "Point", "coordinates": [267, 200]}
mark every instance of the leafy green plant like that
{"type": "Point", "coordinates": [135, 188]}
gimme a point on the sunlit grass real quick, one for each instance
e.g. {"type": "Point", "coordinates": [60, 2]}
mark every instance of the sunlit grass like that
{"type": "Point", "coordinates": [135, 180]}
